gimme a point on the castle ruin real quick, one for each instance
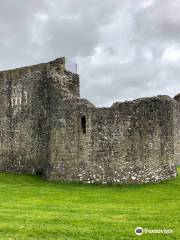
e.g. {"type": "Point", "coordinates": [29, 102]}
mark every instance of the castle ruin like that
{"type": "Point", "coordinates": [46, 128]}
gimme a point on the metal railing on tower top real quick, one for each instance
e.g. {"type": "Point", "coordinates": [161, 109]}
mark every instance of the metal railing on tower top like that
{"type": "Point", "coordinates": [70, 66]}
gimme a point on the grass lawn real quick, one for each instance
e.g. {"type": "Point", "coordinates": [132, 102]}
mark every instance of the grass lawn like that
{"type": "Point", "coordinates": [31, 208]}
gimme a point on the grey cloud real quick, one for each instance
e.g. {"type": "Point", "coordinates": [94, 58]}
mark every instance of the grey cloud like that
{"type": "Point", "coordinates": [118, 45]}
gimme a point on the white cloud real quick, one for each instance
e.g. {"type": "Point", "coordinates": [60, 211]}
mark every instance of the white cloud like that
{"type": "Point", "coordinates": [171, 54]}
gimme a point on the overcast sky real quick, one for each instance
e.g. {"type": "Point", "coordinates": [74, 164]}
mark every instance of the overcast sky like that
{"type": "Point", "coordinates": [125, 49]}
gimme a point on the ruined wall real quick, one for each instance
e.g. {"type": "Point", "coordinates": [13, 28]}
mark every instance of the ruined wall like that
{"type": "Point", "coordinates": [46, 127]}
{"type": "Point", "coordinates": [25, 116]}
{"type": "Point", "coordinates": [63, 92]}
{"type": "Point", "coordinates": [69, 146]}
{"type": "Point", "coordinates": [21, 146]}
{"type": "Point", "coordinates": [133, 141]}
{"type": "Point", "coordinates": [130, 142]}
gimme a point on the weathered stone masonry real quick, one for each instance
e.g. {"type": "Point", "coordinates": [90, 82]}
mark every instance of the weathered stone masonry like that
{"type": "Point", "coordinates": [47, 128]}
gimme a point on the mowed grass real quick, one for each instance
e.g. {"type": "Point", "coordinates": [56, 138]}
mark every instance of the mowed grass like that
{"type": "Point", "coordinates": [31, 208]}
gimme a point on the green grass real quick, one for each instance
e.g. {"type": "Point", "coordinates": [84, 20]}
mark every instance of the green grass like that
{"type": "Point", "coordinates": [31, 208]}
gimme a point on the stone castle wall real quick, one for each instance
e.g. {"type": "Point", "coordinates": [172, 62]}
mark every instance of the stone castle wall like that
{"type": "Point", "coordinates": [131, 142]}
{"type": "Point", "coordinates": [47, 128]}
{"type": "Point", "coordinates": [25, 97]}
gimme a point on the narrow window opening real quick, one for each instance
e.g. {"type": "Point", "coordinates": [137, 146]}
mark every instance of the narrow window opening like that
{"type": "Point", "coordinates": [83, 124]}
